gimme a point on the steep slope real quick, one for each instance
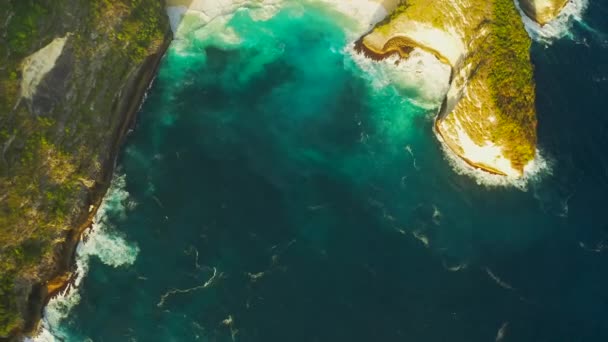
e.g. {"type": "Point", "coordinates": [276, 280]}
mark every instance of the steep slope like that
{"type": "Point", "coordinates": [542, 11]}
{"type": "Point", "coordinates": [72, 74]}
{"type": "Point", "coordinates": [488, 116]}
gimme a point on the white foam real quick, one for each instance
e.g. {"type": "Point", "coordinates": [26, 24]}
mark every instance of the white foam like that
{"type": "Point", "coordinates": [366, 13]}
{"type": "Point", "coordinates": [101, 242]}
{"type": "Point", "coordinates": [210, 26]}
{"type": "Point", "coordinates": [215, 33]}
{"type": "Point", "coordinates": [219, 33]}
{"type": "Point", "coordinates": [422, 77]}
{"type": "Point", "coordinates": [186, 19]}
{"type": "Point", "coordinates": [363, 13]}
{"type": "Point", "coordinates": [534, 171]}
{"type": "Point", "coordinates": [266, 12]}
{"type": "Point", "coordinates": [487, 153]}
{"type": "Point", "coordinates": [502, 331]}
{"type": "Point", "coordinates": [557, 28]}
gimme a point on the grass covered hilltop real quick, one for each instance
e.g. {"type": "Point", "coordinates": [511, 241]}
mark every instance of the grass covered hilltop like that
{"type": "Point", "coordinates": [488, 117]}
{"type": "Point", "coordinates": [72, 73]}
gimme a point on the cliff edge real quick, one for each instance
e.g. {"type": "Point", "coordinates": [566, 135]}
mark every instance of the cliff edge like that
{"type": "Point", "coordinates": [542, 11]}
{"type": "Point", "coordinates": [72, 75]}
{"type": "Point", "coordinates": [488, 117]}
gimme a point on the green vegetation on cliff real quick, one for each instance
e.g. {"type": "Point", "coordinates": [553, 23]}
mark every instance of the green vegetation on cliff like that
{"type": "Point", "coordinates": [511, 80]}
{"type": "Point", "coordinates": [54, 148]}
{"type": "Point", "coordinates": [486, 44]}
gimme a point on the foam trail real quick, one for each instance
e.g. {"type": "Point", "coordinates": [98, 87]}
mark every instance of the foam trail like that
{"type": "Point", "coordinates": [364, 13]}
{"type": "Point", "coordinates": [421, 237]}
{"type": "Point", "coordinates": [498, 281]}
{"type": "Point", "coordinates": [102, 242]}
{"type": "Point", "coordinates": [172, 292]}
{"type": "Point", "coordinates": [502, 332]}
{"type": "Point", "coordinates": [557, 28]}
{"type": "Point", "coordinates": [454, 268]}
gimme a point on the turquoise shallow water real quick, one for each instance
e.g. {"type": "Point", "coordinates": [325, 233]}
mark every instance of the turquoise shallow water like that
{"type": "Point", "coordinates": [272, 192]}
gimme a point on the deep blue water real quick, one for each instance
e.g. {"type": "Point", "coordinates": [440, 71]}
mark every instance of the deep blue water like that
{"type": "Point", "coordinates": [282, 196]}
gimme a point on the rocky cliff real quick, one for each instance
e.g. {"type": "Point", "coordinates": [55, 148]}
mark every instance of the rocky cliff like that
{"type": "Point", "coordinates": [488, 116]}
{"type": "Point", "coordinates": [542, 11]}
{"type": "Point", "coordinates": [72, 74]}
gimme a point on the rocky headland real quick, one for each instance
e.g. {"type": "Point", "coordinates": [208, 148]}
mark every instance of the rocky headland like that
{"type": "Point", "coordinates": [542, 11]}
{"type": "Point", "coordinates": [488, 117]}
{"type": "Point", "coordinates": [72, 76]}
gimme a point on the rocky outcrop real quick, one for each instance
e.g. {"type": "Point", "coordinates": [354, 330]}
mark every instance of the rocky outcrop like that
{"type": "Point", "coordinates": [542, 11]}
{"type": "Point", "coordinates": [488, 116]}
{"type": "Point", "coordinates": [72, 75]}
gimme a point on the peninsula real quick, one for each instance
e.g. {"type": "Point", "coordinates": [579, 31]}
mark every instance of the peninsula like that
{"type": "Point", "coordinates": [488, 117]}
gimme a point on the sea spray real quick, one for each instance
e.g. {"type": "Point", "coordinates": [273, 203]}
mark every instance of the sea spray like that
{"type": "Point", "coordinates": [422, 78]}
{"type": "Point", "coordinates": [557, 28]}
{"type": "Point", "coordinates": [365, 13]}
{"type": "Point", "coordinates": [103, 242]}
{"type": "Point", "coordinates": [534, 171]}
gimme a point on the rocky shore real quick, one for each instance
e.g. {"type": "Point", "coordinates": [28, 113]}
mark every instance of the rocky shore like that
{"type": "Point", "coordinates": [135, 93]}
{"type": "Point", "coordinates": [488, 117]}
{"type": "Point", "coordinates": [73, 74]}
{"type": "Point", "coordinates": [72, 77]}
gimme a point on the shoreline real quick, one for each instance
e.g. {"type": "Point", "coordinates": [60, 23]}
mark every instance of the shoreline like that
{"type": "Point", "coordinates": [360, 47]}
{"type": "Point", "coordinates": [442, 140]}
{"type": "Point", "coordinates": [65, 276]}
{"type": "Point", "coordinates": [129, 105]}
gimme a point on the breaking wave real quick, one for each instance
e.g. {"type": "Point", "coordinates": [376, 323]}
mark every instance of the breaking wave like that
{"type": "Point", "coordinates": [422, 78]}
{"type": "Point", "coordinates": [102, 242]}
{"type": "Point", "coordinates": [557, 28]}
{"type": "Point", "coordinates": [534, 171]}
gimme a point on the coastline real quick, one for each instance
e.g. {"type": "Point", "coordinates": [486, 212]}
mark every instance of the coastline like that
{"type": "Point", "coordinates": [65, 280]}
{"type": "Point", "coordinates": [374, 55]}
{"type": "Point", "coordinates": [129, 104]}
{"type": "Point", "coordinates": [442, 140]}
{"type": "Point", "coordinates": [65, 276]}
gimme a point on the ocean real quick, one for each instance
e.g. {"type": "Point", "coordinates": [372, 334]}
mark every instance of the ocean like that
{"type": "Point", "coordinates": [278, 187]}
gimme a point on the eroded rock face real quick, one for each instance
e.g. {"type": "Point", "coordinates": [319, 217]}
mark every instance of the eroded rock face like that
{"type": "Point", "coordinates": [38, 65]}
{"type": "Point", "coordinates": [72, 74]}
{"type": "Point", "coordinates": [488, 116]}
{"type": "Point", "coordinates": [542, 11]}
